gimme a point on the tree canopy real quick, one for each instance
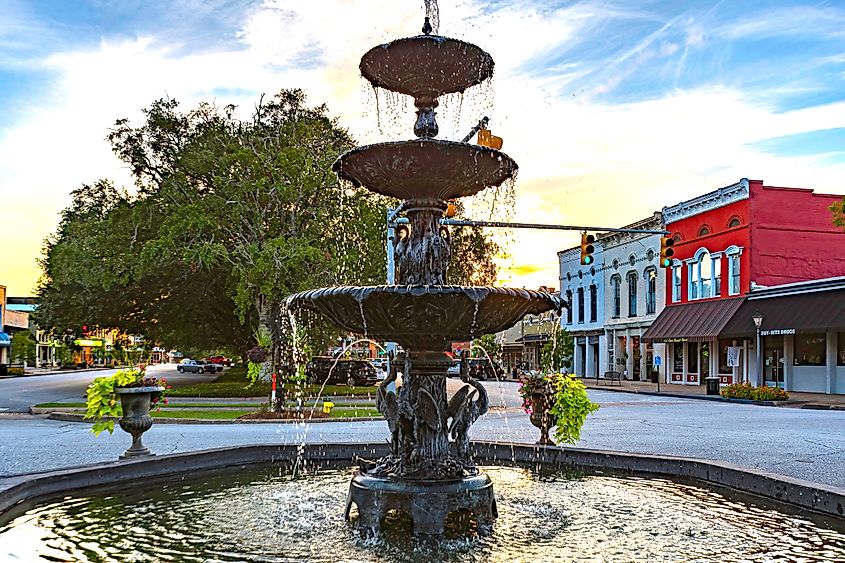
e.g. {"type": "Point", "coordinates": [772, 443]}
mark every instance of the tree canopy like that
{"type": "Point", "coordinates": [229, 217]}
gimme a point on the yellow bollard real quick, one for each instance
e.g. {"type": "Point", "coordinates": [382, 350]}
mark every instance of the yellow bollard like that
{"type": "Point", "coordinates": [327, 407]}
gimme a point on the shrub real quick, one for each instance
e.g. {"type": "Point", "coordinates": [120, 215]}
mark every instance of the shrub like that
{"type": "Point", "coordinates": [745, 390]}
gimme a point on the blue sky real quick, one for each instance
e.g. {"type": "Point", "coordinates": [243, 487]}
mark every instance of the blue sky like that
{"type": "Point", "coordinates": [594, 99]}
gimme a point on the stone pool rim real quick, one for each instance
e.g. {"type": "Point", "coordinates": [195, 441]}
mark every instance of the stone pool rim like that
{"type": "Point", "coordinates": [33, 488]}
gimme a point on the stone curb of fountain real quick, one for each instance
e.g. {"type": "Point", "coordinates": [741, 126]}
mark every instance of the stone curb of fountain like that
{"type": "Point", "coordinates": [72, 417]}
{"type": "Point", "coordinates": [18, 492]}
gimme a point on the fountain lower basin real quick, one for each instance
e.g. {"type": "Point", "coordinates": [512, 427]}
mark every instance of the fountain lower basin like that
{"type": "Point", "coordinates": [424, 317]}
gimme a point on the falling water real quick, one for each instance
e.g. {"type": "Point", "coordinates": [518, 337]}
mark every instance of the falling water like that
{"type": "Point", "coordinates": [500, 384]}
{"type": "Point", "coordinates": [432, 12]}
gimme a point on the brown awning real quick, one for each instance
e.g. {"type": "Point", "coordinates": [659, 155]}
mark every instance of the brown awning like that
{"type": "Point", "coordinates": [695, 322]}
{"type": "Point", "coordinates": [820, 310]}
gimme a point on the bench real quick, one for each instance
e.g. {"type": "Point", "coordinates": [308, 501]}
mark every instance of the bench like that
{"type": "Point", "coordinates": [612, 376]}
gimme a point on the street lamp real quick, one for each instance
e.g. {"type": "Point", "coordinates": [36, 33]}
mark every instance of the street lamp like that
{"type": "Point", "coordinates": [758, 322]}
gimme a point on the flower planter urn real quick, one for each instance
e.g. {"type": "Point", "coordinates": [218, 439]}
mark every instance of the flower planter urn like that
{"type": "Point", "coordinates": [136, 416]}
{"type": "Point", "coordinates": [541, 417]}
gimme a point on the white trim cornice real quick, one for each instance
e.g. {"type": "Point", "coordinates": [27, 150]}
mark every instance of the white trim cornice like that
{"type": "Point", "coordinates": [713, 200]}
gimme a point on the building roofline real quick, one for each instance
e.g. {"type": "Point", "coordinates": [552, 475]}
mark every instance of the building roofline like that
{"type": "Point", "coordinates": [809, 286]}
{"type": "Point", "coordinates": [706, 202]}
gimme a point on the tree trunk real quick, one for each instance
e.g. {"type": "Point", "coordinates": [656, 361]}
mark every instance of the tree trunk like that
{"type": "Point", "coordinates": [266, 323]}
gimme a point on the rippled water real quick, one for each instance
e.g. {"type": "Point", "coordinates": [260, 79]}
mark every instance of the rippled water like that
{"type": "Point", "coordinates": [266, 516]}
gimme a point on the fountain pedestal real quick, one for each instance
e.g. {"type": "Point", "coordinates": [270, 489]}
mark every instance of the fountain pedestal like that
{"type": "Point", "coordinates": [427, 503]}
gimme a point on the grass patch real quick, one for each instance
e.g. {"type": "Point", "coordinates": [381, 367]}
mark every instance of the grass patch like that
{"type": "Point", "coordinates": [238, 388]}
{"type": "Point", "coordinates": [353, 413]}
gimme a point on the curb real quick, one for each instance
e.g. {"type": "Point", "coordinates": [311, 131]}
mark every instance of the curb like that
{"type": "Point", "coordinates": [698, 397]}
{"type": "Point", "coordinates": [60, 372]}
{"type": "Point", "coordinates": [70, 417]}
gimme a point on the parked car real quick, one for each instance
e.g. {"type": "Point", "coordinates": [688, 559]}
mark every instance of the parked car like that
{"type": "Point", "coordinates": [479, 368]}
{"type": "Point", "coordinates": [194, 366]}
{"type": "Point", "coordinates": [349, 371]}
{"type": "Point", "coordinates": [381, 368]}
{"type": "Point", "coordinates": [219, 360]}
{"type": "Point", "coordinates": [211, 367]}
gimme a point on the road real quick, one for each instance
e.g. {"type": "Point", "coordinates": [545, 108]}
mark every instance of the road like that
{"type": "Point", "coordinates": [17, 394]}
{"type": "Point", "coordinates": [806, 444]}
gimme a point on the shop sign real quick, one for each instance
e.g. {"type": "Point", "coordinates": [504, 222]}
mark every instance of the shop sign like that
{"type": "Point", "coordinates": [87, 343]}
{"type": "Point", "coordinates": [777, 332]}
{"type": "Point", "coordinates": [676, 339]}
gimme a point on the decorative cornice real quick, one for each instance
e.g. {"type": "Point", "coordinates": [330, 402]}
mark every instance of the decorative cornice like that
{"type": "Point", "coordinates": [713, 200]}
{"type": "Point", "coordinates": [653, 222]}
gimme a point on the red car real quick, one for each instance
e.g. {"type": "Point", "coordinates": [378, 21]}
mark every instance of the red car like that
{"type": "Point", "coordinates": [219, 360]}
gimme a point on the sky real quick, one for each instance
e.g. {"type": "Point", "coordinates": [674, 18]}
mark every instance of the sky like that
{"type": "Point", "coordinates": [611, 109]}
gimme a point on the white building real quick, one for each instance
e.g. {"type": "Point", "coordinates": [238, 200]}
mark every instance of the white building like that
{"type": "Point", "coordinates": [634, 296]}
{"type": "Point", "coordinates": [583, 288]}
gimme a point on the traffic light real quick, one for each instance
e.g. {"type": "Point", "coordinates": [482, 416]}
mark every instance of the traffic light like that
{"type": "Point", "coordinates": [666, 251]}
{"type": "Point", "coordinates": [587, 249]}
{"type": "Point", "coordinates": [486, 138]}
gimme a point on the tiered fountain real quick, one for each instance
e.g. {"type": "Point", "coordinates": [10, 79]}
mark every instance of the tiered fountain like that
{"type": "Point", "coordinates": [425, 474]}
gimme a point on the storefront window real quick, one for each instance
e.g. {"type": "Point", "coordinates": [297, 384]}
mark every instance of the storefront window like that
{"type": "Point", "coordinates": [678, 358]}
{"type": "Point", "coordinates": [723, 356]}
{"type": "Point", "coordinates": [810, 349]}
{"type": "Point", "coordinates": [692, 357]}
{"type": "Point", "coordinates": [841, 350]}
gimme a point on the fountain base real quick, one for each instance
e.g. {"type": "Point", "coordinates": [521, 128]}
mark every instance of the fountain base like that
{"type": "Point", "coordinates": [427, 503]}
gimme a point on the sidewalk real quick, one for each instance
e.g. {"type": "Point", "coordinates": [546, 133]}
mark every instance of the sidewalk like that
{"type": "Point", "coordinates": [819, 401]}
{"type": "Point", "coordinates": [33, 372]}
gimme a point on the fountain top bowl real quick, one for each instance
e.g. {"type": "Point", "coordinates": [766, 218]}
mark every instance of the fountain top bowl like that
{"type": "Point", "coordinates": [425, 168]}
{"type": "Point", "coordinates": [426, 66]}
{"type": "Point", "coordinates": [424, 316]}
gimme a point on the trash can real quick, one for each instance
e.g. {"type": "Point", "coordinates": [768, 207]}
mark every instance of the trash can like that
{"type": "Point", "coordinates": [712, 385]}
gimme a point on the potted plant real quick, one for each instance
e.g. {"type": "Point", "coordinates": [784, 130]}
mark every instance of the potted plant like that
{"type": "Point", "coordinates": [137, 393]}
{"type": "Point", "coordinates": [559, 401]}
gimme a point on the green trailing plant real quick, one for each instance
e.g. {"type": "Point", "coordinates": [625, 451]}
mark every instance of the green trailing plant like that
{"type": "Point", "coordinates": [102, 401]}
{"type": "Point", "coordinates": [570, 408]}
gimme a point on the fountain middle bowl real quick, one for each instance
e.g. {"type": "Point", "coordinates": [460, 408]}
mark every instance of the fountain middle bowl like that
{"type": "Point", "coordinates": [425, 168]}
{"type": "Point", "coordinates": [424, 316]}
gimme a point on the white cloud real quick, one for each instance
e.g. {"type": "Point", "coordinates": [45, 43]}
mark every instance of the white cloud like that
{"type": "Point", "coordinates": [581, 161]}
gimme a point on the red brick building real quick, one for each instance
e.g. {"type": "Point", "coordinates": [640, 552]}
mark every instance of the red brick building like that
{"type": "Point", "coordinates": [743, 236]}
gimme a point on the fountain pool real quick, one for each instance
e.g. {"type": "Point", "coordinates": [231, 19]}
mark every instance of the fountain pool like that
{"type": "Point", "coordinates": [269, 515]}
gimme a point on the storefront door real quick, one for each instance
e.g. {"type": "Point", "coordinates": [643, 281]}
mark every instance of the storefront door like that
{"type": "Point", "coordinates": [635, 344]}
{"type": "Point", "coordinates": [773, 360]}
{"type": "Point", "coordinates": [704, 362]}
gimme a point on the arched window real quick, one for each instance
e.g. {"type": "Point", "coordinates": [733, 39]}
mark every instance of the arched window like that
{"type": "Point", "coordinates": [594, 303]}
{"type": "Point", "coordinates": [704, 230]}
{"type": "Point", "coordinates": [733, 253]}
{"type": "Point", "coordinates": [734, 222]}
{"type": "Point", "coordinates": [615, 287]}
{"type": "Point", "coordinates": [705, 275]}
{"type": "Point", "coordinates": [580, 304]}
{"type": "Point", "coordinates": [569, 306]}
{"type": "Point", "coordinates": [632, 294]}
{"type": "Point", "coordinates": [650, 275]}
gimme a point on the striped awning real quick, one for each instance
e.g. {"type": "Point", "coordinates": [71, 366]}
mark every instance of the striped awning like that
{"type": "Point", "coordinates": [693, 322]}
{"type": "Point", "coordinates": [817, 311]}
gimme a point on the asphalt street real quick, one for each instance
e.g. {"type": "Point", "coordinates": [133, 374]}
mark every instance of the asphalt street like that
{"type": "Point", "coordinates": [17, 394]}
{"type": "Point", "coordinates": [806, 444]}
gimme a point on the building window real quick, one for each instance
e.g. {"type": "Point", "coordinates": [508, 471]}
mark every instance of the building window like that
{"type": "Point", "coordinates": [692, 357]}
{"type": "Point", "coordinates": [734, 222]}
{"type": "Point", "coordinates": [615, 286]}
{"type": "Point", "coordinates": [678, 357]}
{"type": "Point", "coordinates": [569, 306]}
{"type": "Point", "coordinates": [632, 294]}
{"type": "Point", "coordinates": [733, 270]}
{"type": "Point", "coordinates": [841, 350]}
{"type": "Point", "coordinates": [704, 230]}
{"type": "Point", "coordinates": [594, 303]}
{"type": "Point", "coordinates": [580, 304]}
{"type": "Point", "coordinates": [810, 349]}
{"type": "Point", "coordinates": [705, 276]}
{"type": "Point", "coordinates": [717, 276]}
{"type": "Point", "coordinates": [651, 291]}
{"type": "Point", "coordinates": [676, 283]}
